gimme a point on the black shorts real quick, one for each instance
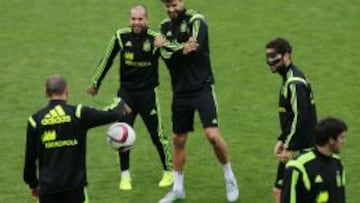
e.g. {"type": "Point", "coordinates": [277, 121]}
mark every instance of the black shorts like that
{"type": "Point", "coordinates": [73, 196]}
{"type": "Point", "coordinates": [184, 107]}
{"type": "Point", "coordinates": [144, 102]}
{"type": "Point", "coordinates": [280, 175]}
{"type": "Point", "coordinates": [281, 168]}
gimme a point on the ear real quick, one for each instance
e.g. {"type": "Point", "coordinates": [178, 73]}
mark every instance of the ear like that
{"type": "Point", "coordinates": [66, 91]}
{"type": "Point", "coordinates": [286, 56]}
{"type": "Point", "coordinates": [46, 93]}
{"type": "Point", "coordinates": [332, 140]}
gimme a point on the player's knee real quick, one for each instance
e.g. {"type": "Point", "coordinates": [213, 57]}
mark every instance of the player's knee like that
{"type": "Point", "coordinates": [179, 141]}
{"type": "Point", "coordinates": [214, 138]}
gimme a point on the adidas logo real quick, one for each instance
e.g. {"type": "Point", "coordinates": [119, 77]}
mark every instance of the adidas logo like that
{"type": "Point", "coordinates": [153, 112]}
{"type": "Point", "coordinates": [56, 115]}
{"type": "Point", "coordinates": [128, 44]}
{"type": "Point", "coordinates": [318, 179]}
{"type": "Point", "coordinates": [169, 33]}
{"type": "Point", "coordinates": [214, 121]}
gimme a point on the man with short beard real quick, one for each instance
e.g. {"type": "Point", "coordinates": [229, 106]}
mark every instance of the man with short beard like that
{"type": "Point", "coordinates": [193, 90]}
{"type": "Point", "coordinates": [297, 112]}
{"type": "Point", "coordinates": [137, 46]}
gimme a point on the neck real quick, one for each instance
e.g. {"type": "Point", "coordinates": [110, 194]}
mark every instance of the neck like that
{"type": "Point", "coordinates": [180, 16]}
{"type": "Point", "coordinates": [284, 69]}
{"type": "Point", "coordinates": [325, 150]}
{"type": "Point", "coordinates": [140, 33]}
{"type": "Point", "coordinates": [58, 97]}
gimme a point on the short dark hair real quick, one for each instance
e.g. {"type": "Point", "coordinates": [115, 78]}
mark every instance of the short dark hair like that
{"type": "Point", "coordinates": [281, 45]}
{"type": "Point", "coordinates": [55, 84]}
{"type": "Point", "coordinates": [327, 128]}
{"type": "Point", "coordinates": [166, 1]}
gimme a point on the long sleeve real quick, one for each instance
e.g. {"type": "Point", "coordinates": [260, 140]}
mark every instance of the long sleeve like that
{"type": "Point", "coordinates": [291, 180]}
{"type": "Point", "coordinates": [199, 30]}
{"type": "Point", "coordinates": [105, 63]}
{"type": "Point", "coordinates": [171, 51]}
{"type": "Point", "coordinates": [29, 174]}
{"type": "Point", "coordinates": [299, 105]}
{"type": "Point", "coordinates": [91, 117]}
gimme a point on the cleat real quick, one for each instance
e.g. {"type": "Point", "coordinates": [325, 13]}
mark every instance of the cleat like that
{"type": "Point", "coordinates": [167, 179]}
{"type": "Point", "coordinates": [232, 191]}
{"type": "Point", "coordinates": [125, 183]}
{"type": "Point", "coordinates": [172, 196]}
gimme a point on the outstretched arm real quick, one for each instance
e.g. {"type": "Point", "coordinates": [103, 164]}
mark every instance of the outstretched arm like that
{"type": "Point", "coordinates": [91, 117]}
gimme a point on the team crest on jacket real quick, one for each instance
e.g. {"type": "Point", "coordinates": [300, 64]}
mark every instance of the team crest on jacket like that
{"type": "Point", "coordinates": [147, 46]}
{"type": "Point", "coordinates": [129, 55]}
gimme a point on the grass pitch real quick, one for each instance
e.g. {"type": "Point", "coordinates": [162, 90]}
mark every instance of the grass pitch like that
{"type": "Point", "coordinates": [42, 37]}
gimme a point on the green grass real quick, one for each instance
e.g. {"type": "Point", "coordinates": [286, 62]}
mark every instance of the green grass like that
{"type": "Point", "coordinates": [68, 37]}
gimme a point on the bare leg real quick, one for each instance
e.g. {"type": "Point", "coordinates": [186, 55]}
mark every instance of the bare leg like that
{"type": "Point", "coordinates": [179, 152]}
{"type": "Point", "coordinates": [179, 158]}
{"type": "Point", "coordinates": [218, 144]}
{"type": "Point", "coordinates": [221, 152]}
{"type": "Point", "coordinates": [277, 194]}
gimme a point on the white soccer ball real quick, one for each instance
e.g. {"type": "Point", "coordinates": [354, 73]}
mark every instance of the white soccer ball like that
{"type": "Point", "coordinates": [121, 136]}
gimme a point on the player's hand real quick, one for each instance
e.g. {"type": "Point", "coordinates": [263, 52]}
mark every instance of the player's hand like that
{"type": "Point", "coordinates": [190, 46]}
{"type": "Point", "coordinates": [92, 90]}
{"type": "Point", "coordinates": [279, 147]}
{"type": "Point", "coordinates": [35, 193]}
{"type": "Point", "coordinates": [127, 110]}
{"type": "Point", "coordinates": [192, 39]}
{"type": "Point", "coordinates": [285, 156]}
{"type": "Point", "coordinates": [159, 41]}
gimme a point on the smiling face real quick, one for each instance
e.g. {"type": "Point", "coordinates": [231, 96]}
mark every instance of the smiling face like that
{"type": "Point", "coordinates": [138, 19]}
{"type": "Point", "coordinates": [174, 8]}
{"type": "Point", "coordinates": [278, 54]}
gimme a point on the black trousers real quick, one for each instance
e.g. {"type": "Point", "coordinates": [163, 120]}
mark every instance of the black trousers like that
{"type": "Point", "coordinates": [145, 102]}
{"type": "Point", "coordinates": [72, 196]}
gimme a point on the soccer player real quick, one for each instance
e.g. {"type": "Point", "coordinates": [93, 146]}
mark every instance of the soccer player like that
{"type": "Point", "coordinates": [318, 175]}
{"type": "Point", "coordinates": [139, 78]}
{"type": "Point", "coordinates": [56, 144]}
{"type": "Point", "coordinates": [193, 90]}
{"type": "Point", "coordinates": [297, 111]}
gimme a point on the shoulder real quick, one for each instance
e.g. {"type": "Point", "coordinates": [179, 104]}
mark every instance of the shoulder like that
{"type": "Point", "coordinates": [194, 15]}
{"type": "Point", "coordinates": [337, 159]}
{"type": "Point", "coordinates": [298, 81]}
{"type": "Point", "coordinates": [336, 156]}
{"type": "Point", "coordinates": [32, 120]}
{"type": "Point", "coordinates": [295, 76]}
{"type": "Point", "coordinates": [300, 162]}
{"type": "Point", "coordinates": [152, 33]}
{"type": "Point", "coordinates": [37, 116]}
{"type": "Point", "coordinates": [165, 22]}
{"type": "Point", "coordinates": [125, 30]}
